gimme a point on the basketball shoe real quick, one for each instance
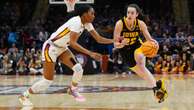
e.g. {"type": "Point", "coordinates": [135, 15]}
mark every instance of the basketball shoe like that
{"type": "Point", "coordinates": [160, 91]}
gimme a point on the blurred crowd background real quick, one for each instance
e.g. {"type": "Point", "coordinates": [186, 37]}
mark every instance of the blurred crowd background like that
{"type": "Point", "coordinates": [26, 24]}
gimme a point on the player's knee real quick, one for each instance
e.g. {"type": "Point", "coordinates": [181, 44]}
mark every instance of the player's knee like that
{"type": "Point", "coordinates": [77, 68]}
{"type": "Point", "coordinates": [140, 59]}
{"type": "Point", "coordinates": [41, 85]}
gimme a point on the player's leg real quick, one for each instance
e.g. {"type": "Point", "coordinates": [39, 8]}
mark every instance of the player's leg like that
{"type": "Point", "coordinates": [68, 59]}
{"type": "Point", "coordinates": [41, 85]}
{"type": "Point", "coordinates": [47, 79]}
{"type": "Point", "coordinates": [140, 68]}
{"type": "Point", "coordinates": [142, 71]}
{"type": "Point", "coordinates": [115, 62]}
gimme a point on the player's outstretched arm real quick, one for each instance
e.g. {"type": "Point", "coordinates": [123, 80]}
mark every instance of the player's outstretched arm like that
{"type": "Point", "coordinates": [119, 41]}
{"type": "Point", "coordinates": [146, 32]}
{"type": "Point", "coordinates": [73, 43]}
{"type": "Point", "coordinates": [99, 38]}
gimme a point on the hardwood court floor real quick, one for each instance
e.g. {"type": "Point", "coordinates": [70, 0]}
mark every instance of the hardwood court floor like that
{"type": "Point", "coordinates": [103, 92]}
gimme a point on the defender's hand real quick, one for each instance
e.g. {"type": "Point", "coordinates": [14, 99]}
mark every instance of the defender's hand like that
{"type": "Point", "coordinates": [96, 56]}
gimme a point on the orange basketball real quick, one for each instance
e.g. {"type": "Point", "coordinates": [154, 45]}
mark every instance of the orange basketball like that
{"type": "Point", "coordinates": [150, 48]}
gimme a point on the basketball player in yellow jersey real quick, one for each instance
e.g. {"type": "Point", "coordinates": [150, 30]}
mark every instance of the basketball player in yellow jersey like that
{"type": "Point", "coordinates": [56, 47]}
{"type": "Point", "coordinates": [127, 38]}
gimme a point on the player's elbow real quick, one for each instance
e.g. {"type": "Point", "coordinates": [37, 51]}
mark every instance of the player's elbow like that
{"type": "Point", "coordinates": [72, 44]}
{"type": "Point", "coordinates": [101, 41]}
{"type": "Point", "coordinates": [98, 39]}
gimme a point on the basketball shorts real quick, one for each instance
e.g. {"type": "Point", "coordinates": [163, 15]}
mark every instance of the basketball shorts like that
{"type": "Point", "coordinates": [50, 51]}
{"type": "Point", "coordinates": [128, 54]}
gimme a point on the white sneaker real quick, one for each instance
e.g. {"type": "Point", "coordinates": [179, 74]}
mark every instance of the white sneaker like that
{"type": "Point", "coordinates": [25, 101]}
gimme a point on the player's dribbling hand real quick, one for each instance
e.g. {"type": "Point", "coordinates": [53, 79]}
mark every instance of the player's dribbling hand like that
{"type": "Point", "coordinates": [96, 56]}
{"type": "Point", "coordinates": [156, 42]}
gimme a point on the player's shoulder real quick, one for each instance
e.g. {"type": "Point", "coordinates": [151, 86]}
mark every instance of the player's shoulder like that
{"type": "Point", "coordinates": [141, 22]}
{"type": "Point", "coordinates": [119, 22]}
{"type": "Point", "coordinates": [75, 20]}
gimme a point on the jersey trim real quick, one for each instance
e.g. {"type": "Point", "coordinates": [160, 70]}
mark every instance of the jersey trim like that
{"type": "Point", "coordinates": [46, 54]}
{"type": "Point", "coordinates": [127, 25]}
{"type": "Point", "coordinates": [61, 34]}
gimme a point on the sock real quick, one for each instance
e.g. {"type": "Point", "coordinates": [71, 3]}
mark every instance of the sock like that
{"type": "Point", "coordinates": [26, 93]}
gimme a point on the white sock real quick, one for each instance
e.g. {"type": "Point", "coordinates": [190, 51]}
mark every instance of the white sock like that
{"type": "Point", "coordinates": [77, 74]}
{"type": "Point", "coordinates": [26, 93]}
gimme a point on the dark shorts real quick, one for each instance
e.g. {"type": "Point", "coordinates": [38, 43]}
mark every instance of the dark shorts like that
{"type": "Point", "coordinates": [127, 54]}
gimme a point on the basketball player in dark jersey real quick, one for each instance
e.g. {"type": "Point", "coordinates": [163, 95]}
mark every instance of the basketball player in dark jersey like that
{"type": "Point", "coordinates": [127, 38]}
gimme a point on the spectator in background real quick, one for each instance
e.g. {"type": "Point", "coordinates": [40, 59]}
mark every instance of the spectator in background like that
{"type": "Point", "coordinates": [164, 67]}
{"type": "Point", "coordinates": [21, 66]}
{"type": "Point", "coordinates": [182, 68]}
{"type": "Point", "coordinates": [191, 46]}
{"type": "Point", "coordinates": [150, 65]}
{"type": "Point", "coordinates": [42, 36]}
{"type": "Point", "coordinates": [192, 64]}
{"type": "Point", "coordinates": [35, 65]}
{"type": "Point", "coordinates": [20, 53]}
{"type": "Point", "coordinates": [158, 66]}
{"type": "Point", "coordinates": [7, 65]}
{"type": "Point", "coordinates": [191, 43]}
{"type": "Point", "coordinates": [13, 48]}
{"type": "Point", "coordinates": [28, 55]}
{"type": "Point", "coordinates": [1, 63]}
{"type": "Point", "coordinates": [35, 45]}
{"type": "Point", "coordinates": [39, 53]}
{"type": "Point", "coordinates": [14, 57]}
{"type": "Point", "coordinates": [174, 68]}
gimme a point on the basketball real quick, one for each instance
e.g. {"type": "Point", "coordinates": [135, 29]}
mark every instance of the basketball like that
{"type": "Point", "coordinates": [150, 49]}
